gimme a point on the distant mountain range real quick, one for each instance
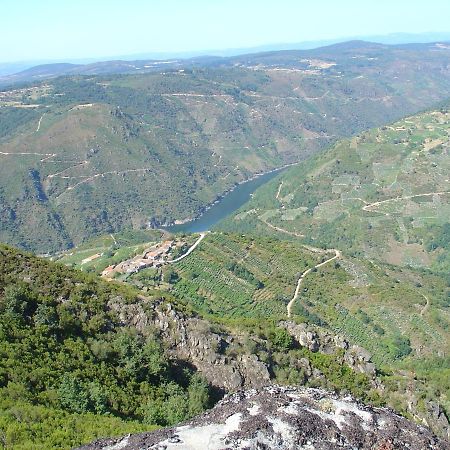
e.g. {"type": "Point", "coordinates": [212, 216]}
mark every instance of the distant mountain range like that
{"type": "Point", "coordinates": [286, 56]}
{"type": "Point", "coordinates": [8, 69]}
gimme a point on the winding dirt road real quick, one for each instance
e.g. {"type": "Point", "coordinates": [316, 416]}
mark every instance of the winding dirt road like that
{"type": "Point", "coordinates": [194, 246]}
{"type": "Point", "coordinates": [369, 207]}
{"type": "Point", "coordinates": [39, 123]}
{"type": "Point", "coordinates": [337, 254]}
{"type": "Point", "coordinates": [281, 230]}
{"type": "Point", "coordinates": [427, 305]}
{"type": "Point", "coordinates": [303, 275]}
{"type": "Point", "coordinates": [279, 191]}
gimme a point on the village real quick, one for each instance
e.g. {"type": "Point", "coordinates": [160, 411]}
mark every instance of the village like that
{"type": "Point", "coordinates": [154, 256]}
{"type": "Point", "coordinates": [166, 252]}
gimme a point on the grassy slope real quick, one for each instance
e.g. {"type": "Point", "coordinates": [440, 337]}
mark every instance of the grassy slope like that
{"type": "Point", "coordinates": [177, 140]}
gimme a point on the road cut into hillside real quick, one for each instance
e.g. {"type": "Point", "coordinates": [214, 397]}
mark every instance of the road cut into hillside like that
{"type": "Point", "coordinates": [303, 275]}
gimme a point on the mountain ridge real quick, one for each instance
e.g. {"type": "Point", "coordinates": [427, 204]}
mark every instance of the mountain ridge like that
{"type": "Point", "coordinates": [123, 66]}
{"type": "Point", "coordinates": [77, 150]}
{"type": "Point", "coordinates": [11, 68]}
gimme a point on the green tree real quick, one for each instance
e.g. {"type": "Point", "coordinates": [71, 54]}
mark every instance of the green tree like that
{"type": "Point", "coordinates": [198, 395]}
{"type": "Point", "coordinates": [98, 398]}
{"type": "Point", "coordinates": [17, 302]}
{"type": "Point", "coordinates": [46, 315]}
{"type": "Point", "coordinates": [281, 339]}
{"type": "Point", "coordinates": [72, 395]}
{"type": "Point", "coordinates": [176, 404]}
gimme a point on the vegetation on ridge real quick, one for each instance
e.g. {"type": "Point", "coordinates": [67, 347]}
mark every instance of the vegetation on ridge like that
{"type": "Point", "coordinates": [71, 371]}
{"type": "Point", "coordinates": [66, 359]}
{"type": "Point", "coordinates": [384, 194]}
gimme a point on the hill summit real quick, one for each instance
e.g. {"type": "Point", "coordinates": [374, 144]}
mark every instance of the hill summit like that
{"type": "Point", "coordinates": [285, 419]}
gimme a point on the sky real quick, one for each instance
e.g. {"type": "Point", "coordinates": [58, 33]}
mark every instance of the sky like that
{"type": "Point", "coordinates": [69, 29]}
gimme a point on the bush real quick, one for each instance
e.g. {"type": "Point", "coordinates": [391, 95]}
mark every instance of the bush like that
{"type": "Point", "coordinates": [280, 339]}
{"type": "Point", "coordinates": [64, 351]}
{"type": "Point", "coordinates": [401, 346]}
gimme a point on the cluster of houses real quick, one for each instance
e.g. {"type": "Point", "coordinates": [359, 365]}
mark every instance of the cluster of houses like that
{"type": "Point", "coordinates": [151, 257]}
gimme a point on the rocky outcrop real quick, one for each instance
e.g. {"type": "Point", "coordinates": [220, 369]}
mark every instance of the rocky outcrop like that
{"type": "Point", "coordinates": [286, 419]}
{"type": "Point", "coordinates": [228, 365]}
{"type": "Point", "coordinates": [358, 358]}
{"type": "Point", "coordinates": [192, 339]}
{"type": "Point", "coordinates": [305, 336]}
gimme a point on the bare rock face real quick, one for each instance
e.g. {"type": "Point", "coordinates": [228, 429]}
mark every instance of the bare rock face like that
{"type": "Point", "coordinates": [358, 358]}
{"type": "Point", "coordinates": [191, 339]}
{"type": "Point", "coordinates": [283, 418]}
{"type": "Point", "coordinates": [305, 336]}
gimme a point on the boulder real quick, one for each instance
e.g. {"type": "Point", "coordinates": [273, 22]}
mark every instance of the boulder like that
{"type": "Point", "coordinates": [284, 418]}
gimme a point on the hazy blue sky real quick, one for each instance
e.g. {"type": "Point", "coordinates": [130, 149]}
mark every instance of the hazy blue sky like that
{"type": "Point", "coordinates": [61, 29]}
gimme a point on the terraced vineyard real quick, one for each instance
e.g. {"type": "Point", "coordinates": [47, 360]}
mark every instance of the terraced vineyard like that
{"type": "Point", "coordinates": [399, 315]}
{"type": "Point", "coordinates": [392, 312]}
{"type": "Point", "coordinates": [384, 194]}
{"type": "Point", "coordinates": [383, 199]}
{"type": "Point", "coordinates": [231, 276]}
{"type": "Point", "coordinates": [382, 308]}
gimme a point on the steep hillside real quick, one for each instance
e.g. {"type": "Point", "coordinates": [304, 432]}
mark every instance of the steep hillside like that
{"type": "Point", "coordinates": [121, 355]}
{"type": "Point", "coordinates": [81, 358]}
{"type": "Point", "coordinates": [384, 195]}
{"type": "Point", "coordinates": [399, 316]}
{"type": "Point", "coordinates": [86, 155]}
{"type": "Point", "coordinates": [69, 367]}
